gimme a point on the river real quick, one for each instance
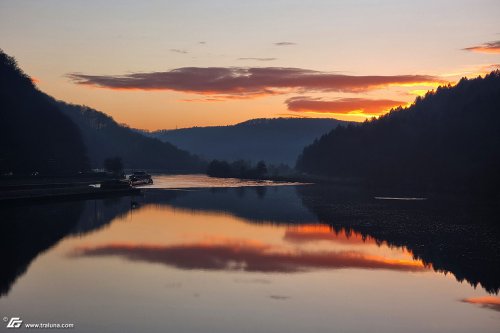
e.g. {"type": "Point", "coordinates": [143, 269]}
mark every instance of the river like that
{"type": "Point", "coordinates": [198, 254]}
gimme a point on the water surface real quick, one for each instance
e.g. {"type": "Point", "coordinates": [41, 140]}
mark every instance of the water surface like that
{"type": "Point", "coordinates": [203, 181]}
{"type": "Point", "coordinates": [238, 259]}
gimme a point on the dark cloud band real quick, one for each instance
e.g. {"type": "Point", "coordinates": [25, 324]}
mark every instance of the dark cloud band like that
{"type": "Point", "coordinates": [285, 43]}
{"type": "Point", "coordinates": [258, 59]}
{"type": "Point", "coordinates": [246, 80]}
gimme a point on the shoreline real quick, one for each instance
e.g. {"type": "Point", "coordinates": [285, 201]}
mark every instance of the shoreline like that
{"type": "Point", "coordinates": [89, 193]}
{"type": "Point", "coordinates": [61, 188]}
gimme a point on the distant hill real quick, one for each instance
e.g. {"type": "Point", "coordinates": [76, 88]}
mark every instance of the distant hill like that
{"type": "Point", "coordinates": [450, 139]}
{"type": "Point", "coordinates": [34, 135]}
{"type": "Point", "coordinates": [105, 138]}
{"type": "Point", "coordinates": [276, 141]}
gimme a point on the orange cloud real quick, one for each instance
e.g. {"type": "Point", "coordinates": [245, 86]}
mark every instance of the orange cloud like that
{"type": "Point", "coordinates": [247, 256]}
{"type": "Point", "coordinates": [312, 233]}
{"type": "Point", "coordinates": [246, 81]}
{"type": "Point", "coordinates": [222, 98]}
{"type": "Point", "coordinates": [491, 47]}
{"type": "Point", "coordinates": [489, 302]}
{"type": "Point", "coordinates": [342, 105]}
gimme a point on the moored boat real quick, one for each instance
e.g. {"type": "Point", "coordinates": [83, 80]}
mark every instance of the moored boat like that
{"type": "Point", "coordinates": [140, 178]}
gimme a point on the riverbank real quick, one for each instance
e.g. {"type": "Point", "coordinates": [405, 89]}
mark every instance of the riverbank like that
{"type": "Point", "coordinates": [75, 187]}
{"type": "Point", "coordinates": [410, 188]}
{"type": "Point", "coordinates": [301, 178]}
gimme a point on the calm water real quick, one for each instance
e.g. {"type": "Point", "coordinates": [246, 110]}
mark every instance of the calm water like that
{"type": "Point", "coordinates": [247, 259]}
{"type": "Point", "coordinates": [202, 181]}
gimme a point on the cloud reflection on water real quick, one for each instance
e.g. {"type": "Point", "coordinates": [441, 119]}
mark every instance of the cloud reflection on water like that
{"type": "Point", "coordinates": [250, 256]}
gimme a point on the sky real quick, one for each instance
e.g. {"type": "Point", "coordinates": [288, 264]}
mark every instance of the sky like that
{"type": "Point", "coordinates": [174, 64]}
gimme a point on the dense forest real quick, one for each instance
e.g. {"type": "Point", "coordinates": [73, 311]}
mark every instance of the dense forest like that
{"type": "Point", "coordinates": [106, 138]}
{"type": "Point", "coordinates": [35, 137]}
{"type": "Point", "coordinates": [449, 139]}
{"type": "Point", "coordinates": [275, 141]}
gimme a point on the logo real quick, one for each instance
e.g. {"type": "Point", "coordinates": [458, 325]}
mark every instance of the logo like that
{"type": "Point", "coordinates": [15, 322]}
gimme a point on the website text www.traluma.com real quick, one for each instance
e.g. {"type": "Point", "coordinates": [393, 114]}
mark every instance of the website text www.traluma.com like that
{"type": "Point", "coordinates": [17, 322]}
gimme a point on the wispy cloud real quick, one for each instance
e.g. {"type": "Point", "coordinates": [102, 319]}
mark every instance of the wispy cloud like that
{"type": "Point", "coordinates": [258, 59]}
{"type": "Point", "coordinates": [179, 51]}
{"type": "Point", "coordinates": [471, 71]}
{"type": "Point", "coordinates": [216, 98]}
{"type": "Point", "coordinates": [285, 43]}
{"type": "Point", "coordinates": [490, 47]}
{"type": "Point", "coordinates": [247, 81]}
{"type": "Point", "coordinates": [342, 105]}
{"type": "Point", "coordinates": [292, 115]}
{"type": "Point", "coordinates": [489, 68]}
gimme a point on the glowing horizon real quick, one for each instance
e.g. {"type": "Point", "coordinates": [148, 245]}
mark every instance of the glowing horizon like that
{"type": "Point", "coordinates": [157, 65]}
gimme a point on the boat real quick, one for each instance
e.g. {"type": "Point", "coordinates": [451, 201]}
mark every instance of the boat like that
{"type": "Point", "coordinates": [140, 178]}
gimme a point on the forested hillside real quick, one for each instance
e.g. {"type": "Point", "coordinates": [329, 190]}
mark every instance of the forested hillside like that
{"type": "Point", "coordinates": [450, 139]}
{"type": "Point", "coordinates": [106, 138]}
{"type": "Point", "coordinates": [35, 137]}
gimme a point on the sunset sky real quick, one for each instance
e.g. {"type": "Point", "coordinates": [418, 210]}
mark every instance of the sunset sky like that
{"type": "Point", "coordinates": [168, 64]}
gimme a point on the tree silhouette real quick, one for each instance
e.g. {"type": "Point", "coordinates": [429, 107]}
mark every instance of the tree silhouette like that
{"type": "Point", "coordinates": [114, 165]}
{"type": "Point", "coordinates": [219, 169]}
{"type": "Point", "coordinates": [261, 169]}
{"type": "Point", "coordinates": [237, 169]}
{"type": "Point", "coordinates": [34, 135]}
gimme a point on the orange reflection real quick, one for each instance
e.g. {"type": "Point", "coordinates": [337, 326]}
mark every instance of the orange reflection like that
{"type": "Point", "coordinates": [251, 256]}
{"type": "Point", "coordinates": [489, 302]}
{"type": "Point", "coordinates": [317, 232]}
